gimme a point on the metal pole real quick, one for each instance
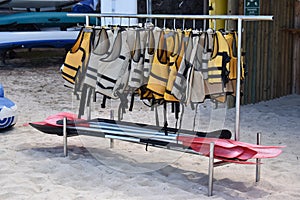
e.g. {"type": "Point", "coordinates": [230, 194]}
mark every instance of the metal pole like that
{"type": "Point", "coordinates": [238, 83]}
{"type": "Point", "coordinates": [215, 24]}
{"type": "Point", "coordinates": [65, 137]}
{"type": "Point", "coordinates": [112, 117]}
{"type": "Point", "coordinates": [211, 168]}
{"type": "Point", "coordinates": [149, 7]}
{"type": "Point", "coordinates": [258, 166]}
{"type": "Point", "coordinates": [205, 12]}
{"type": "Point", "coordinates": [87, 20]}
{"type": "Point", "coordinates": [232, 9]}
{"type": "Point", "coordinates": [205, 7]}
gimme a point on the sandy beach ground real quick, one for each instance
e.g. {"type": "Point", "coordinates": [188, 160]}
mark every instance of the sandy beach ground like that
{"type": "Point", "coordinates": [32, 165]}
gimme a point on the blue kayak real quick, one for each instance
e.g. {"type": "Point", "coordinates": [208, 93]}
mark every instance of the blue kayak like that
{"type": "Point", "coordinates": [37, 39]}
{"type": "Point", "coordinates": [11, 22]}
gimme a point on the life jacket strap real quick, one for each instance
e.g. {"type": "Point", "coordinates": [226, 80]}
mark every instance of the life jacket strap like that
{"type": "Point", "coordinates": [103, 104]}
{"type": "Point", "coordinates": [177, 111]}
{"type": "Point", "coordinates": [195, 116]}
{"type": "Point", "coordinates": [131, 102]}
{"type": "Point", "coordinates": [165, 118]}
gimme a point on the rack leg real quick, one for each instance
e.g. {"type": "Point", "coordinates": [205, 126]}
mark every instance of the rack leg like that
{"type": "Point", "coordinates": [211, 168]}
{"type": "Point", "coordinates": [258, 165]}
{"type": "Point", "coordinates": [65, 137]}
{"type": "Point", "coordinates": [112, 140]}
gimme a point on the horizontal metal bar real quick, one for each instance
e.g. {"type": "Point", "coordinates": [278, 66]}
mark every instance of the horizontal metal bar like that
{"type": "Point", "coordinates": [164, 16]}
{"type": "Point", "coordinates": [129, 139]}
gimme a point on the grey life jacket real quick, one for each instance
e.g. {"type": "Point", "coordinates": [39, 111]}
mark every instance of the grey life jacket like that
{"type": "Point", "coordinates": [136, 75]}
{"type": "Point", "coordinates": [113, 70]}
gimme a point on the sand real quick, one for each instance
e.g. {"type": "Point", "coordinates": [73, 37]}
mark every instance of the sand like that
{"type": "Point", "coordinates": [32, 164]}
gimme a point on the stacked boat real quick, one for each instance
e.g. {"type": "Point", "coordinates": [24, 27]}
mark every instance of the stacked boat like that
{"type": "Point", "coordinates": [47, 29]}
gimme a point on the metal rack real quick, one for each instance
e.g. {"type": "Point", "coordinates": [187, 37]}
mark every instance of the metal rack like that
{"type": "Point", "coordinates": [239, 19]}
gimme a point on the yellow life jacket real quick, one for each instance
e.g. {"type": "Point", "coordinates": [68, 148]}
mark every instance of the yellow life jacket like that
{"type": "Point", "coordinates": [218, 65]}
{"type": "Point", "coordinates": [76, 60]}
{"type": "Point", "coordinates": [175, 61]}
{"type": "Point", "coordinates": [232, 40]}
{"type": "Point", "coordinates": [160, 67]}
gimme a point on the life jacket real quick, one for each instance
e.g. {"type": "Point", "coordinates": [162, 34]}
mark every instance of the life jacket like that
{"type": "Point", "coordinates": [113, 70]}
{"type": "Point", "coordinates": [160, 67]}
{"type": "Point", "coordinates": [218, 65]}
{"type": "Point", "coordinates": [149, 53]}
{"type": "Point", "coordinates": [176, 48]}
{"type": "Point", "coordinates": [180, 83]}
{"type": "Point", "coordinates": [215, 91]}
{"type": "Point", "coordinates": [151, 46]}
{"type": "Point", "coordinates": [232, 41]}
{"type": "Point", "coordinates": [76, 60]}
{"type": "Point", "coordinates": [196, 82]}
{"type": "Point", "coordinates": [206, 41]}
{"type": "Point", "coordinates": [136, 75]}
{"type": "Point", "coordinates": [181, 41]}
{"type": "Point", "coordinates": [101, 46]}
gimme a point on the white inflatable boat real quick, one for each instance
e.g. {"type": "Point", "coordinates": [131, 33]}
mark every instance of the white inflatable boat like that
{"type": "Point", "coordinates": [8, 111]}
